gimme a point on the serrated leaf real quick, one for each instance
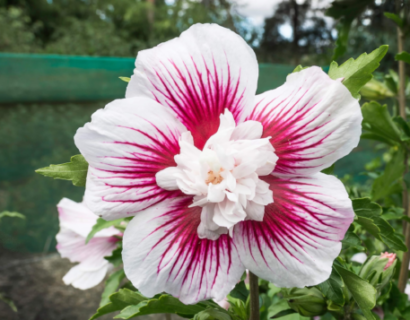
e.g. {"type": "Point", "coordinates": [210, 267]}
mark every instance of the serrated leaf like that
{"type": "Point", "coordinates": [111, 285]}
{"type": "Point", "coordinates": [403, 56]}
{"type": "Point", "coordinates": [119, 301]}
{"type": "Point", "coordinates": [164, 304]}
{"type": "Point", "coordinates": [395, 18]}
{"type": "Point", "coordinates": [332, 288]}
{"type": "Point", "coordinates": [102, 224]}
{"type": "Point", "coordinates": [356, 73]}
{"type": "Point", "coordinates": [368, 216]}
{"type": "Point", "coordinates": [75, 170]}
{"type": "Point", "coordinates": [240, 291]}
{"type": "Point", "coordinates": [362, 292]}
{"type": "Point", "coordinates": [299, 68]}
{"type": "Point", "coordinates": [125, 79]}
{"type": "Point", "coordinates": [377, 120]}
{"type": "Point", "coordinates": [385, 183]}
{"type": "Point", "coordinates": [12, 214]}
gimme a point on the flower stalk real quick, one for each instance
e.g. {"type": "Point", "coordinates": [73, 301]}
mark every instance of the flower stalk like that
{"type": "Point", "coordinates": [254, 296]}
{"type": "Point", "coordinates": [404, 270]}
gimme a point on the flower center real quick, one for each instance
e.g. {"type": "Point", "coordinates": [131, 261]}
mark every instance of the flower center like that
{"type": "Point", "coordinates": [223, 178]}
{"type": "Point", "coordinates": [214, 178]}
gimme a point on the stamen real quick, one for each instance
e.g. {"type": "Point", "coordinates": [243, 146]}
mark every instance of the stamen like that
{"type": "Point", "coordinates": [214, 178]}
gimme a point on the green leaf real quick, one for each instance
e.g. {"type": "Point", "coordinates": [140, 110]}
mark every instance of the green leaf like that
{"type": "Point", "coordinates": [278, 307]}
{"type": "Point", "coordinates": [119, 301]}
{"type": "Point", "coordinates": [362, 292]}
{"type": "Point", "coordinates": [385, 183]}
{"type": "Point", "coordinates": [343, 30]}
{"type": "Point", "coordinates": [368, 216]}
{"type": "Point", "coordinates": [377, 120]}
{"type": "Point", "coordinates": [9, 302]}
{"type": "Point", "coordinates": [403, 56]}
{"type": "Point", "coordinates": [111, 285]}
{"type": "Point", "coordinates": [102, 224]}
{"type": "Point", "coordinates": [75, 170]}
{"type": "Point", "coordinates": [395, 18]}
{"type": "Point", "coordinates": [346, 11]}
{"type": "Point", "coordinates": [329, 170]}
{"type": "Point", "coordinates": [12, 215]}
{"type": "Point", "coordinates": [403, 125]}
{"type": "Point", "coordinates": [351, 240]}
{"type": "Point", "coordinates": [116, 257]}
{"type": "Point", "coordinates": [212, 314]}
{"type": "Point", "coordinates": [240, 292]}
{"type": "Point", "coordinates": [125, 79]}
{"type": "Point", "coordinates": [332, 288]}
{"type": "Point", "coordinates": [363, 207]}
{"type": "Point", "coordinates": [299, 68]}
{"type": "Point", "coordinates": [164, 304]}
{"type": "Point", "coordinates": [356, 73]}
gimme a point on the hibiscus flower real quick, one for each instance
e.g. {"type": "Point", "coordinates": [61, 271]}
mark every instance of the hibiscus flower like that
{"type": "Point", "coordinates": [76, 222]}
{"type": "Point", "coordinates": [220, 179]}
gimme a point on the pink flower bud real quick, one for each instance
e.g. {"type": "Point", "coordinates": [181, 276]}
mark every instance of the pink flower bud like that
{"type": "Point", "coordinates": [390, 256]}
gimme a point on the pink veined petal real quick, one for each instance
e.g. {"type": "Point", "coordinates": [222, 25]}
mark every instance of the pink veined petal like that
{"type": "Point", "coordinates": [207, 69]}
{"type": "Point", "coordinates": [299, 237]}
{"type": "Point", "coordinates": [126, 144]}
{"type": "Point", "coordinates": [312, 119]}
{"type": "Point", "coordinates": [78, 218]}
{"type": "Point", "coordinates": [162, 252]}
{"type": "Point", "coordinates": [72, 246]}
{"type": "Point", "coordinates": [92, 266]}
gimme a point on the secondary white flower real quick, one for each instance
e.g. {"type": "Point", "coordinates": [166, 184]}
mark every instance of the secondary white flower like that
{"type": "Point", "coordinates": [220, 179]}
{"type": "Point", "coordinates": [76, 222]}
{"type": "Point", "coordinates": [360, 257]}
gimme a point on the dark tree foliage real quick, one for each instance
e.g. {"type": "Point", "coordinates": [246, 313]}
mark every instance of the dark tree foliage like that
{"type": "Point", "coordinates": [311, 40]}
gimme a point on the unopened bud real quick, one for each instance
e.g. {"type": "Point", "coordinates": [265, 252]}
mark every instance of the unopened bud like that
{"type": "Point", "coordinates": [378, 270]}
{"type": "Point", "coordinates": [376, 90]}
{"type": "Point", "coordinates": [307, 302]}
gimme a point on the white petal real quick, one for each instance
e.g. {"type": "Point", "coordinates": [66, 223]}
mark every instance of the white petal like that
{"type": "Point", "coordinates": [299, 237]}
{"type": "Point", "coordinates": [162, 252]}
{"type": "Point", "coordinates": [200, 74]}
{"type": "Point", "coordinates": [126, 144]}
{"type": "Point", "coordinates": [248, 130]}
{"type": "Point", "coordinates": [166, 178]}
{"type": "Point", "coordinates": [312, 119]}
{"type": "Point", "coordinates": [84, 279]}
{"type": "Point", "coordinates": [360, 257]}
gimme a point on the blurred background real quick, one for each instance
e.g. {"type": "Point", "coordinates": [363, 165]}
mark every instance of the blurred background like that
{"type": "Point", "coordinates": [60, 61]}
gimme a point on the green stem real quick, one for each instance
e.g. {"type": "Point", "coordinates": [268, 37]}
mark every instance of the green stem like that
{"type": "Point", "coordinates": [254, 296]}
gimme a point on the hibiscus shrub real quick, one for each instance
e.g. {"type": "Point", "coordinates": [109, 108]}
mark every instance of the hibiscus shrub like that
{"type": "Point", "coordinates": [194, 185]}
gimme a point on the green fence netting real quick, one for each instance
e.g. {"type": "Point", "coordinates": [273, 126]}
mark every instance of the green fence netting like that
{"type": "Point", "coordinates": [43, 101]}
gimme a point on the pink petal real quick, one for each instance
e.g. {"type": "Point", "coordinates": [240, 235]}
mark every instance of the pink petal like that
{"type": "Point", "coordinates": [162, 252]}
{"type": "Point", "coordinates": [126, 144]}
{"type": "Point", "coordinates": [312, 119]}
{"type": "Point", "coordinates": [78, 218]}
{"type": "Point", "coordinates": [207, 69]}
{"type": "Point", "coordinates": [300, 235]}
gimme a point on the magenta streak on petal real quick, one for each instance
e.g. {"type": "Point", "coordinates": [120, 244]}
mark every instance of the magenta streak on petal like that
{"type": "Point", "coordinates": [198, 93]}
{"type": "Point", "coordinates": [139, 167]}
{"type": "Point", "coordinates": [289, 132]}
{"type": "Point", "coordinates": [191, 254]}
{"type": "Point", "coordinates": [283, 225]}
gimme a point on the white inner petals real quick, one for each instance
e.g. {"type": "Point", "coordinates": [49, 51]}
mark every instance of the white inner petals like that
{"type": "Point", "coordinates": [224, 176]}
